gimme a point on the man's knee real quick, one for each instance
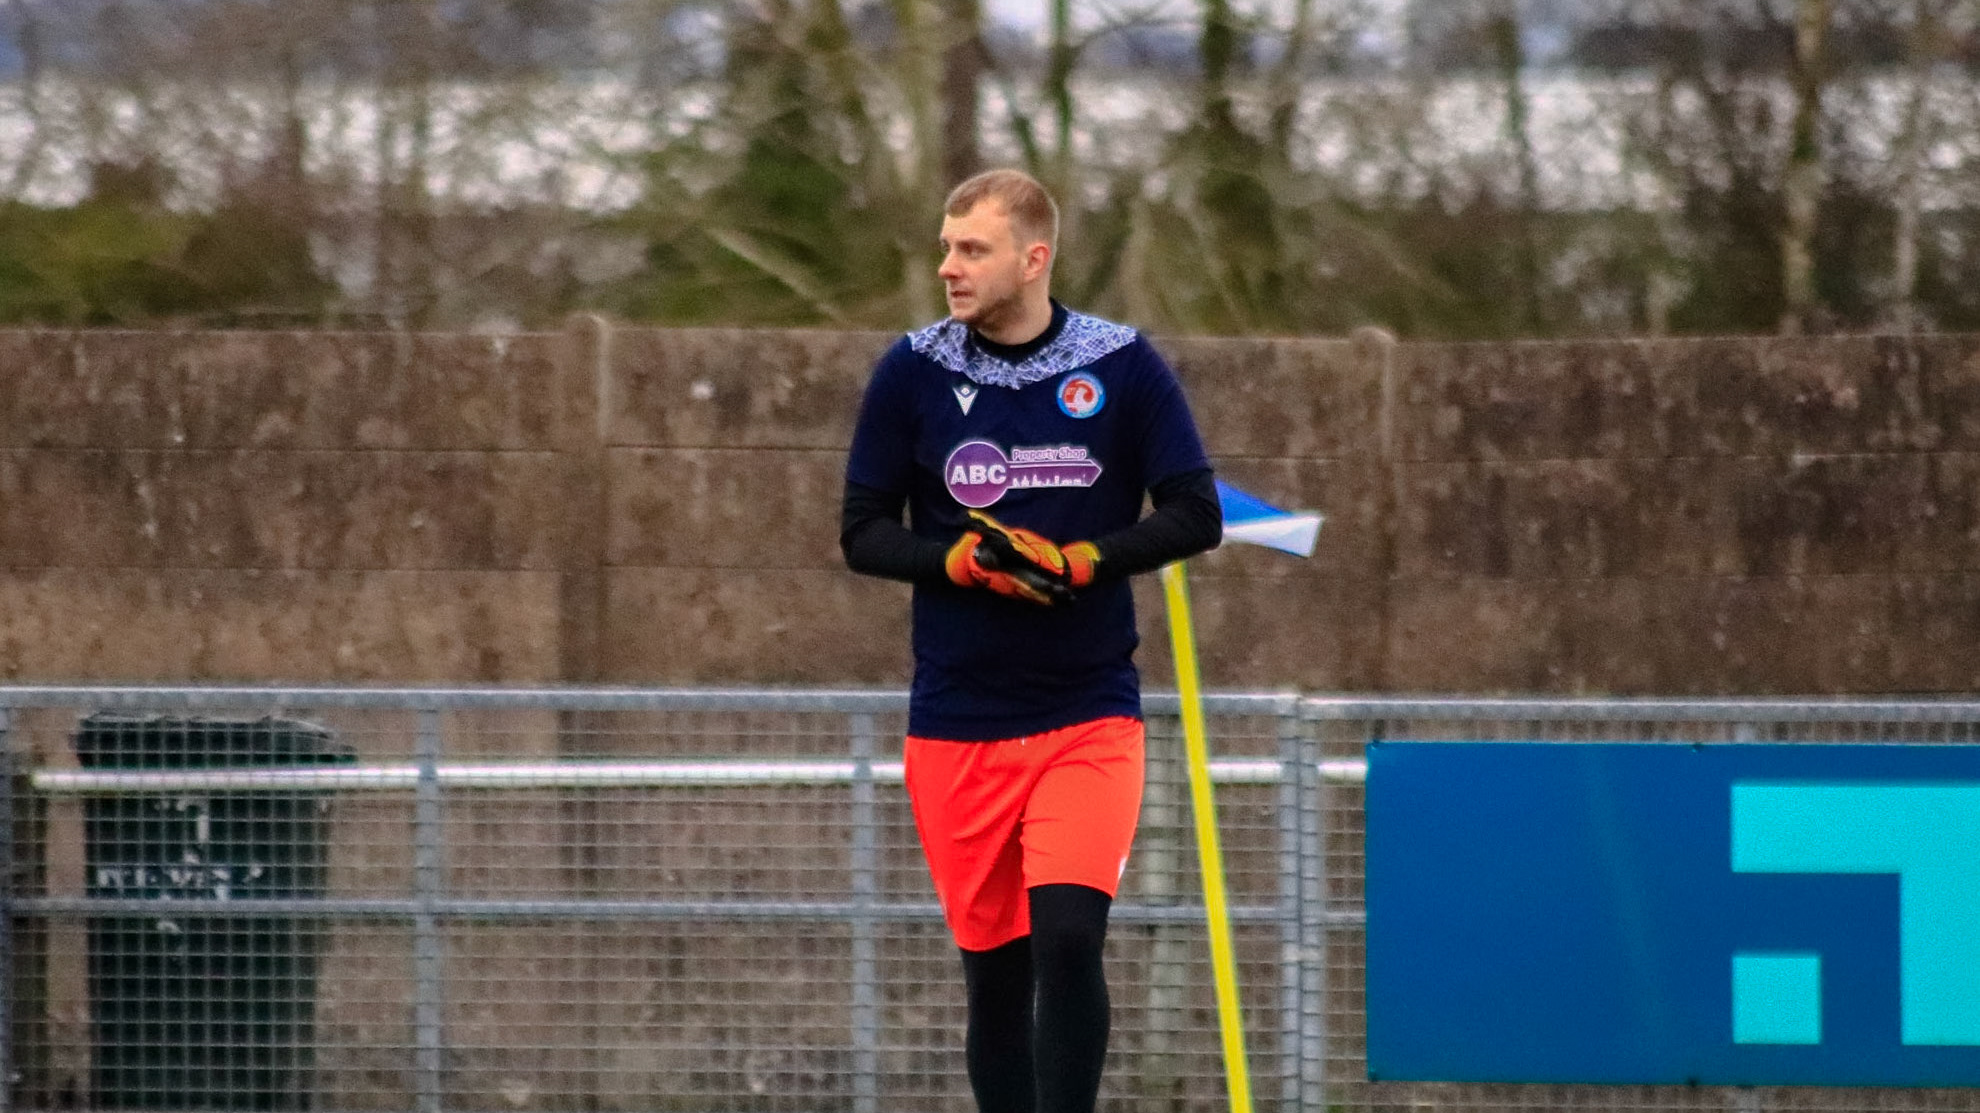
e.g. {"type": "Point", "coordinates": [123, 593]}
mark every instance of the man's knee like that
{"type": "Point", "coordinates": [1068, 923]}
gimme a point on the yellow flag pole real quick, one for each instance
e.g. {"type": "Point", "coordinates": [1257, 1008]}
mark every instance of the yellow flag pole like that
{"type": "Point", "coordinates": [1182, 637]}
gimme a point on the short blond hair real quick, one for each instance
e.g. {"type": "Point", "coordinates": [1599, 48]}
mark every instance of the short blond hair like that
{"type": "Point", "coordinates": [1034, 215]}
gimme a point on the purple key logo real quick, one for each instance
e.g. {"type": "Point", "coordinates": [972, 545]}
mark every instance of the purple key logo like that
{"type": "Point", "coordinates": [978, 473]}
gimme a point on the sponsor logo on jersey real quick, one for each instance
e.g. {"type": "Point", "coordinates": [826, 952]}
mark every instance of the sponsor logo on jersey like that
{"type": "Point", "coordinates": [1081, 395]}
{"type": "Point", "coordinates": [977, 473]}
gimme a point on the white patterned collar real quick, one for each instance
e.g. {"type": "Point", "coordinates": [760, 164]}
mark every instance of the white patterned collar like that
{"type": "Point", "coordinates": [1080, 342]}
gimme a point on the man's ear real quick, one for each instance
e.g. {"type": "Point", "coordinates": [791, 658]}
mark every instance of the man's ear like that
{"type": "Point", "coordinates": [1037, 261]}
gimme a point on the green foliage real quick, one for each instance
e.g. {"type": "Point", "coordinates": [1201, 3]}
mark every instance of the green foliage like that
{"type": "Point", "coordinates": [788, 210]}
{"type": "Point", "coordinates": [1731, 256]}
{"type": "Point", "coordinates": [783, 239]}
{"type": "Point", "coordinates": [785, 211]}
{"type": "Point", "coordinates": [120, 258]}
{"type": "Point", "coordinates": [1461, 253]}
{"type": "Point", "coordinates": [804, 224]}
{"type": "Point", "coordinates": [1949, 278]}
{"type": "Point", "coordinates": [98, 263]}
{"type": "Point", "coordinates": [809, 195]}
{"type": "Point", "coordinates": [1855, 239]}
{"type": "Point", "coordinates": [245, 264]}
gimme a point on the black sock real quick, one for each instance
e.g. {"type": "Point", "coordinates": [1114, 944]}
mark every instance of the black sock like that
{"type": "Point", "coordinates": [1047, 1057]}
{"type": "Point", "coordinates": [1068, 930]}
{"type": "Point", "coordinates": [997, 1047]}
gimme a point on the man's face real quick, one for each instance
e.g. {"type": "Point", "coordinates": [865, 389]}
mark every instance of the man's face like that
{"type": "Point", "coordinates": [983, 267]}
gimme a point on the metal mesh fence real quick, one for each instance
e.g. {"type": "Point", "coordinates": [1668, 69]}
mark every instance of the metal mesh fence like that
{"type": "Point", "coordinates": [559, 901]}
{"type": "Point", "coordinates": [513, 901]}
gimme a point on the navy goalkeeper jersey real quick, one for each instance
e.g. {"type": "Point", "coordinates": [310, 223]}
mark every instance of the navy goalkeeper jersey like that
{"type": "Point", "coordinates": [1066, 443]}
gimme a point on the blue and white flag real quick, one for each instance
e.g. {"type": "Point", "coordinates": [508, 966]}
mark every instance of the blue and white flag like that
{"type": "Point", "coordinates": [1255, 522]}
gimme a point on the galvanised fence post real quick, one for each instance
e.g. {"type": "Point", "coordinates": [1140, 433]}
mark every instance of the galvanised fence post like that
{"type": "Point", "coordinates": [1313, 919]}
{"type": "Point", "coordinates": [1291, 807]}
{"type": "Point", "coordinates": [429, 969]}
{"type": "Point", "coordinates": [7, 834]}
{"type": "Point", "coordinates": [865, 894]}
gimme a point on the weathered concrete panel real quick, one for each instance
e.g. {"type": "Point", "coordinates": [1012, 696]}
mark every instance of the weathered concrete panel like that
{"type": "Point", "coordinates": [1277, 398]}
{"type": "Point", "coordinates": [1932, 634]}
{"type": "Point", "coordinates": [1691, 516]}
{"type": "Point", "coordinates": [275, 389]}
{"type": "Point", "coordinates": [725, 508]}
{"type": "Point", "coordinates": [1680, 636]}
{"type": "Point", "coordinates": [742, 625]}
{"type": "Point", "coordinates": [662, 505]}
{"type": "Point", "coordinates": [1307, 632]}
{"type": "Point", "coordinates": [739, 388]}
{"type": "Point", "coordinates": [202, 624]}
{"type": "Point", "coordinates": [93, 508]}
{"type": "Point", "coordinates": [1484, 401]}
{"type": "Point", "coordinates": [1873, 515]}
{"type": "Point", "coordinates": [1721, 397]}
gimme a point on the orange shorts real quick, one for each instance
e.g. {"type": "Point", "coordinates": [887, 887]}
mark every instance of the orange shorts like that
{"type": "Point", "coordinates": [997, 818]}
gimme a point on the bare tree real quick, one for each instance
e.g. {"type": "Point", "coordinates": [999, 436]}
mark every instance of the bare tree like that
{"type": "Point", "coordinates": [30, 42]}
{"type": "Point", "coordinates": [965, 61]}
{"type": "Point", "coordinates": [1708, 130]}
{"type": "Point", "coordinates": [1260, 167]}
{"type": "Point", "coordinates": [1802, 180]}
{"type": "Point", "coordinates": [1503, 31]}
{"type": "Point", "coordinates": [1926, 49]}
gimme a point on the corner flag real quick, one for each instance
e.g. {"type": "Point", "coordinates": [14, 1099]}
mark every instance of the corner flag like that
{"type": "Point", "coordinates": [1251, 520]}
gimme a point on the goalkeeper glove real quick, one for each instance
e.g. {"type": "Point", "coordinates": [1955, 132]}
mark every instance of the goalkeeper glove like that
{"type": "Point", "coordinates": [1075, 565]}
{"type": "Point", "coordinates": [1082, 562]}
{"type": "Point", "coordinates": [1013, 562]}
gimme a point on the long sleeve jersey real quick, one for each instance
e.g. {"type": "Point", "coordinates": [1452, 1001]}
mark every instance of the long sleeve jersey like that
{"type": "Point", "coordinates": [1065, 441]}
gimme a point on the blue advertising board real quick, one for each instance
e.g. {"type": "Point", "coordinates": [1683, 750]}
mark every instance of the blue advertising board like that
{"type": "Point", "coordinates": [1666, 913]}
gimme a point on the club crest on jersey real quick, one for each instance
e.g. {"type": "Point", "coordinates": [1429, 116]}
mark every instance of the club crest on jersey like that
{"type": "Point", "coordinates": [977, 473]}
{"type": "Point", "coordinates": [965, 396]}
{"type": "Point", "coordinates": [1081, 395]}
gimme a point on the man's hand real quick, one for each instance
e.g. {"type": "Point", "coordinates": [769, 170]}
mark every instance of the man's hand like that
{"type": "Point", "coordinates": [1014, 562]}
{"type": "Point", "coordinates": [1082, 562]}
{"type": "Point", "coordinates": [1075, 565]}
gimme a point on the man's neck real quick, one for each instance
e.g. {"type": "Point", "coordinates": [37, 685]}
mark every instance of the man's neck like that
{"type": "Point", "coordinates": [1017, 353]}
{"type": "Point", "coordinates": [1027, 326]}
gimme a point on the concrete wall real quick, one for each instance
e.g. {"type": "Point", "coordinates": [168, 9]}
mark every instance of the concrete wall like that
{"type": "Point", "coordinates": [1725, 516]}
{"type": "Point", "coordinates": [604, 504]}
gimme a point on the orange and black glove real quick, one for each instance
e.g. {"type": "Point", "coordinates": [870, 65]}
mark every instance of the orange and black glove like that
{"type": "Point", "coordinates": [1082, 562]}
{"type": "Point", "coordinates": [1017, 563]}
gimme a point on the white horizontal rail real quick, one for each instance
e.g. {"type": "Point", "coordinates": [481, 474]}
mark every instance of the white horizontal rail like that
{"type": "Point", "coordinates": [550, 774]}
{"type": "Point", "coordinates": [159, 698]}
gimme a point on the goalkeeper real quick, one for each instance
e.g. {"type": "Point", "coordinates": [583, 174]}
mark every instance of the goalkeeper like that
{"type": "Point", "coordinates": [1020, 438]}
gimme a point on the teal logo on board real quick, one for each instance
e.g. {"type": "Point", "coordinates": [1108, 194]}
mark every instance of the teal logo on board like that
{"type": "Point", "coordinates": [1928, 836]}
{"type": "Point", "coordinates": [1653, 913]}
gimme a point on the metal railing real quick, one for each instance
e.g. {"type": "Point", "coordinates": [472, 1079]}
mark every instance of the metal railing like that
{"type": "Point", "coordinates": [873, 898]}
{"type": "Point", "coordinates": [654, 899]}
